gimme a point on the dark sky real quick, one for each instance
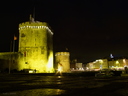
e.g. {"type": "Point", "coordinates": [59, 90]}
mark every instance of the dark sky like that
{"type": "Point", "coordinates": [90, 29]}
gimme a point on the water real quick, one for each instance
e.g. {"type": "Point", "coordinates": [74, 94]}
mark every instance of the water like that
{"type": "Point", "coordinates": [38, 85]}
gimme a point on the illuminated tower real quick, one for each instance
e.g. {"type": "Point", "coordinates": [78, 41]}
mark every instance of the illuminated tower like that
{"type": "Point", "coordinates": [35, 46]}
{"type": "Point", "coordinates": [62, 61]}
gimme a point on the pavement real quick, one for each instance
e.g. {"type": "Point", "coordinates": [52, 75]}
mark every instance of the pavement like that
{"type": "Point", "coordinates": [60, 85]}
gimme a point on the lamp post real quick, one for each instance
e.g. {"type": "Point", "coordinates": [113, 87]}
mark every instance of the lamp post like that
{"type": "Point", "coordinates": [12, 45]}
{"type": "Point", "coordinates": [10, 57]}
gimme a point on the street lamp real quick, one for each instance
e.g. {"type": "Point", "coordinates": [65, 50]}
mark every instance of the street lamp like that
{"type": "Point", "coordinates": [15, 38]}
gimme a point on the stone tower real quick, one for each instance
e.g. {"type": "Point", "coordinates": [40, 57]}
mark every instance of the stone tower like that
{"type": "Point", "coordinates": [35, 46]}
{"type": "Point", "coordinates": [62, 61]}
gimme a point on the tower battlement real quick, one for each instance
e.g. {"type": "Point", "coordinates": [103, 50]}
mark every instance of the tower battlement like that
{"type": "Point", "coordinates": [34, 25]}
{"type": "Point", "coordinates": [62, 53]}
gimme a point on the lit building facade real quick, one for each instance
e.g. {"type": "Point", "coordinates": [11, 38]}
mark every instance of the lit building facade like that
{"type": "Point", "coordinates": [77, 67]}
{"type": "Point", "coordinates": [62, 61]}
{"type": "Point", "coordinates": [113, 64]}
{"type": "Point", "coordinates": [35, 47]}
{"type": "Point", "coordinates": [97, 65]}
{"type": "Point", "coordinates": [118, 64]}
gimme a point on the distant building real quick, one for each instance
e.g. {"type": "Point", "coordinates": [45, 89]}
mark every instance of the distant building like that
{"type": "Point", "coordinates": [79, 66]}
{"type": "Point", "coordinates": [97, 65]}
{"type": "Point", "coordinates": [112, 64]}
{"type": "Point", "coordinates": [75, 66]}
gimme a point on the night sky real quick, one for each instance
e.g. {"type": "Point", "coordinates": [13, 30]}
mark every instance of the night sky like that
{"type": "Point", "coordinates": [90, 29]}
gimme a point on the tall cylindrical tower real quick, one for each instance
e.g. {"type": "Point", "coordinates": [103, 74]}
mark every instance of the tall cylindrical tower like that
{"type": "Point", "coordinates": [62, 61]}
{"type": "Point", "coordinates": [35, 46]}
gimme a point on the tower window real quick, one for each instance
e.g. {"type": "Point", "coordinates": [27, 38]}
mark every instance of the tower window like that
{"type": "Point", "coordinates": [42, 51]}
{"type": "Point", "coordinates": [22, 35]}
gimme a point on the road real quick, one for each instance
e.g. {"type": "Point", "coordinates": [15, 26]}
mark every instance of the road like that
{"type": "Point", "coordinates": [39, 85]}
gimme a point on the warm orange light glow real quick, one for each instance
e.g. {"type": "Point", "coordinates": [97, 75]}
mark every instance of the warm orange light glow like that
{"type": "Point", "coordinates": [15, 38]}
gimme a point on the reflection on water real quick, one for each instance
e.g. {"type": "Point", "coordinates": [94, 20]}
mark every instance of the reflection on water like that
{"type": "Point", "coordinates": [38, 85]}
{"type": "Point", "coordinates": [59, 76]}
{"type": "Point", "coordinates": [38, 92]}
{"type": "Point", "coordinates": [47, 80]}
{"type": "Point", "coordinates": [59, 83]}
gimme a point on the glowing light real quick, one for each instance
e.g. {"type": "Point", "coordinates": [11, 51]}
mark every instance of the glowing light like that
{"type": "Point", "coordinates": [97, 60]}
{"type": "Point", "coordinates": [59, 69]}
{"type": "Point", "coordinates": [45, 27]}
{"type": "Point", "coordinates": [101, 61]}
{"type": "Point", "coordinates": [50, 63]}
{"type": "Point", "coordinates": [124, 61]}
{"type": "Point", "coordinates": [117, 62]}
{"type": "Point", "coordinates": [87, 68]}
{"type": "Point", "coordinates": [30, 71]}
{"type": "Point", "coordinates": [111, 56]}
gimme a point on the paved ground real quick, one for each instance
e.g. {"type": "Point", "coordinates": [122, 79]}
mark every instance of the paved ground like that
{"type": "Point", "coordinates": [38, 85]}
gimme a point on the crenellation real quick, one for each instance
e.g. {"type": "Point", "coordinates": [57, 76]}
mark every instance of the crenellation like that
{"type": "Point", "coordinates": [27, 25]}
{"type": "Point", "coordinates": [62, 53]}
{"type": "Point", "coordinates": [33, 24]}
